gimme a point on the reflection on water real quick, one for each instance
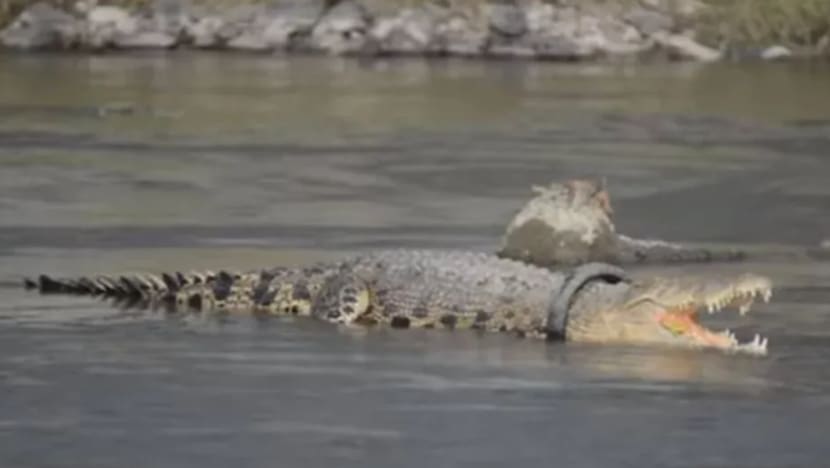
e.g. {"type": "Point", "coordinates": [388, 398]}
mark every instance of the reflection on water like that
{"type": "Point", "coordinates": [154, 162]}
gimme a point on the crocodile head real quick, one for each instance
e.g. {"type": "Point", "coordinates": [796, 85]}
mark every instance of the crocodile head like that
{"type": "Point", "coordinates": [664, 311]}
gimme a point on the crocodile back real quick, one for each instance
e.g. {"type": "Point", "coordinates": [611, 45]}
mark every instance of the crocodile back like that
{"type": "Point", "coordinates": [457, 289]}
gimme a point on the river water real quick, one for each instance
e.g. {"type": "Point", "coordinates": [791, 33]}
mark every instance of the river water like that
{"type": "Point", "coordinates": [154, 162]}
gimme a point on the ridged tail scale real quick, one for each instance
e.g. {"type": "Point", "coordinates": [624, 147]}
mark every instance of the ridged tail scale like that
{"type": "Point", "coordinates": [275, 291]}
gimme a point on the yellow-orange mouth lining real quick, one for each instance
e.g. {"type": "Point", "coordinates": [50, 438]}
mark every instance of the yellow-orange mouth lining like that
{"type": "Point", "coordinates": [683, 321]}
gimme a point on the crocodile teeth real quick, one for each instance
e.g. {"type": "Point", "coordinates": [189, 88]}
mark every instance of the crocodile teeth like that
{"type": "Point", "coordinates": [745, 304]}
{"type": "Point", "coordinates": [728, 333]}
{"type": "Point", "coordinates": [715, 306]}
{"type": "Point", "coordinates": [758, 345]}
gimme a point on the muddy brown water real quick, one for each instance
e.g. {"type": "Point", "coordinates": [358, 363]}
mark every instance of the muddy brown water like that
{"type": "Point", "coordinates": [154, 162]}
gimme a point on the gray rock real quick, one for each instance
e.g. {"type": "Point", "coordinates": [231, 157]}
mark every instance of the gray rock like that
{"type": "Point", "coordinates": [615, 37]}
{"type": "Point", "coordinates": [103, 24]}
{"type": "Point", "coordinates": [572, 34]}
{"type": "Point", "coordinates": [507, 30]}
{"type": "Point", "coordinates": [412, 31]}
{"type": "Point", "coordinates": [206, 31]}
{"type": "Point", "coordinates": [250, 41]}
{"type": "Point", "coordinates": [245, 29]}
{"type": "Point", "coordinates": [540, 16]}
{"type": "Point", "coordinates": [684, 47]}
{"type": "Point", "coordinates": [292, 22]}
{"type": "Point", "coordinates": [244, 20]}
{"type": "Point", "coordinates": [461, 37]}
{"type": "Point", "coordinates": [172, 17]}
{"type": "Point", "coordinates": [561, 48]}
{"type": "Point", "coordinates": [161, 26]}
{"type": "Point", "coordinates": [343, 30]}
{"type": "Point", "coordinates": [277, 27]}
{"type": "Point", "coordinates": [776, 52]}
{"type": "Point", "coordinates": [649, 22]}
{"type": "Point", "coordinates": [506, 18]}
{"type": "Point", "coordinates": [41, 26]}
{"type": "Point", "coordinates": [146, 39]}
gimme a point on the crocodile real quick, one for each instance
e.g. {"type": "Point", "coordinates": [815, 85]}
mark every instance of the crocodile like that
{"type": "Point", "coordinates": [570, 222]}
{"type": "Point", "coordinates": [593, 302]}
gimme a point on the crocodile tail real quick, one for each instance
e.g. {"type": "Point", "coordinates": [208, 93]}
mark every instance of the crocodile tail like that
{"type": "Point", "coordinates": [276, 291]}
{"type": "Point", "coordinates": [135, 290]}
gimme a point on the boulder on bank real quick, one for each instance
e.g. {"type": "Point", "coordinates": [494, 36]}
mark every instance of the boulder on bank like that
{"type": "Point", "coordinates": [776, 52]}
{"type": "Point", "coordinates": [105, 24]}
{"type": "Point", "coordinates": [205, 31]}
{"type": "Point", "coordinates": [555, 32]}
{"type": "Point", "coordinates": [221, 29]}
{"type": "Point", "coordinates": [507, 30]}
{"type": "Point", "coordinates": [462, 36]}
{"type": "Point", "coordinates": [41, 26]}
{"type": "Point", "coordinates": [648, 21]}
{"type": "Point", "coordinates": [413, 31]}
{"type": "Point", "coordinates": [550, 38]}
{"type": "Point", "coordinates": [506, 18]}
{"type": "Point", "coordinates": [163, 24]}
{"type": "Point", "coordinates": [281, 26]}
{"type": "Point", "coordinates": [681, 46]}
{"type": "Point", "coordinates": [343, 30]}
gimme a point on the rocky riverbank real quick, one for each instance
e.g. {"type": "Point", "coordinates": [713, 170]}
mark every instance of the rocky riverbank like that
{"type": "Point", "coordinates": [528, 29]}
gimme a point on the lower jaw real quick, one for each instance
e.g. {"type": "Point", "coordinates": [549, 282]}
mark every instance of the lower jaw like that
{"type": "Point", "coordinates": [685, 324]}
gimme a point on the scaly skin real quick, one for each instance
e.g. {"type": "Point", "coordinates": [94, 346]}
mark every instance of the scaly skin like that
{"type": "Point", "coordinates": [570, 223]}
{"type": "Point", "coordinates": [453, 289]}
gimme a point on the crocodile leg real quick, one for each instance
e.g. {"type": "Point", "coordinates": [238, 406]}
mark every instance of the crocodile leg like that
{"type": "Point", "coordinates": [344, 298]}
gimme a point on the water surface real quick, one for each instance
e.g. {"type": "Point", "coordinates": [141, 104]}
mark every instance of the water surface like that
{"type": "Point", "coordinates": [153, 162]}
